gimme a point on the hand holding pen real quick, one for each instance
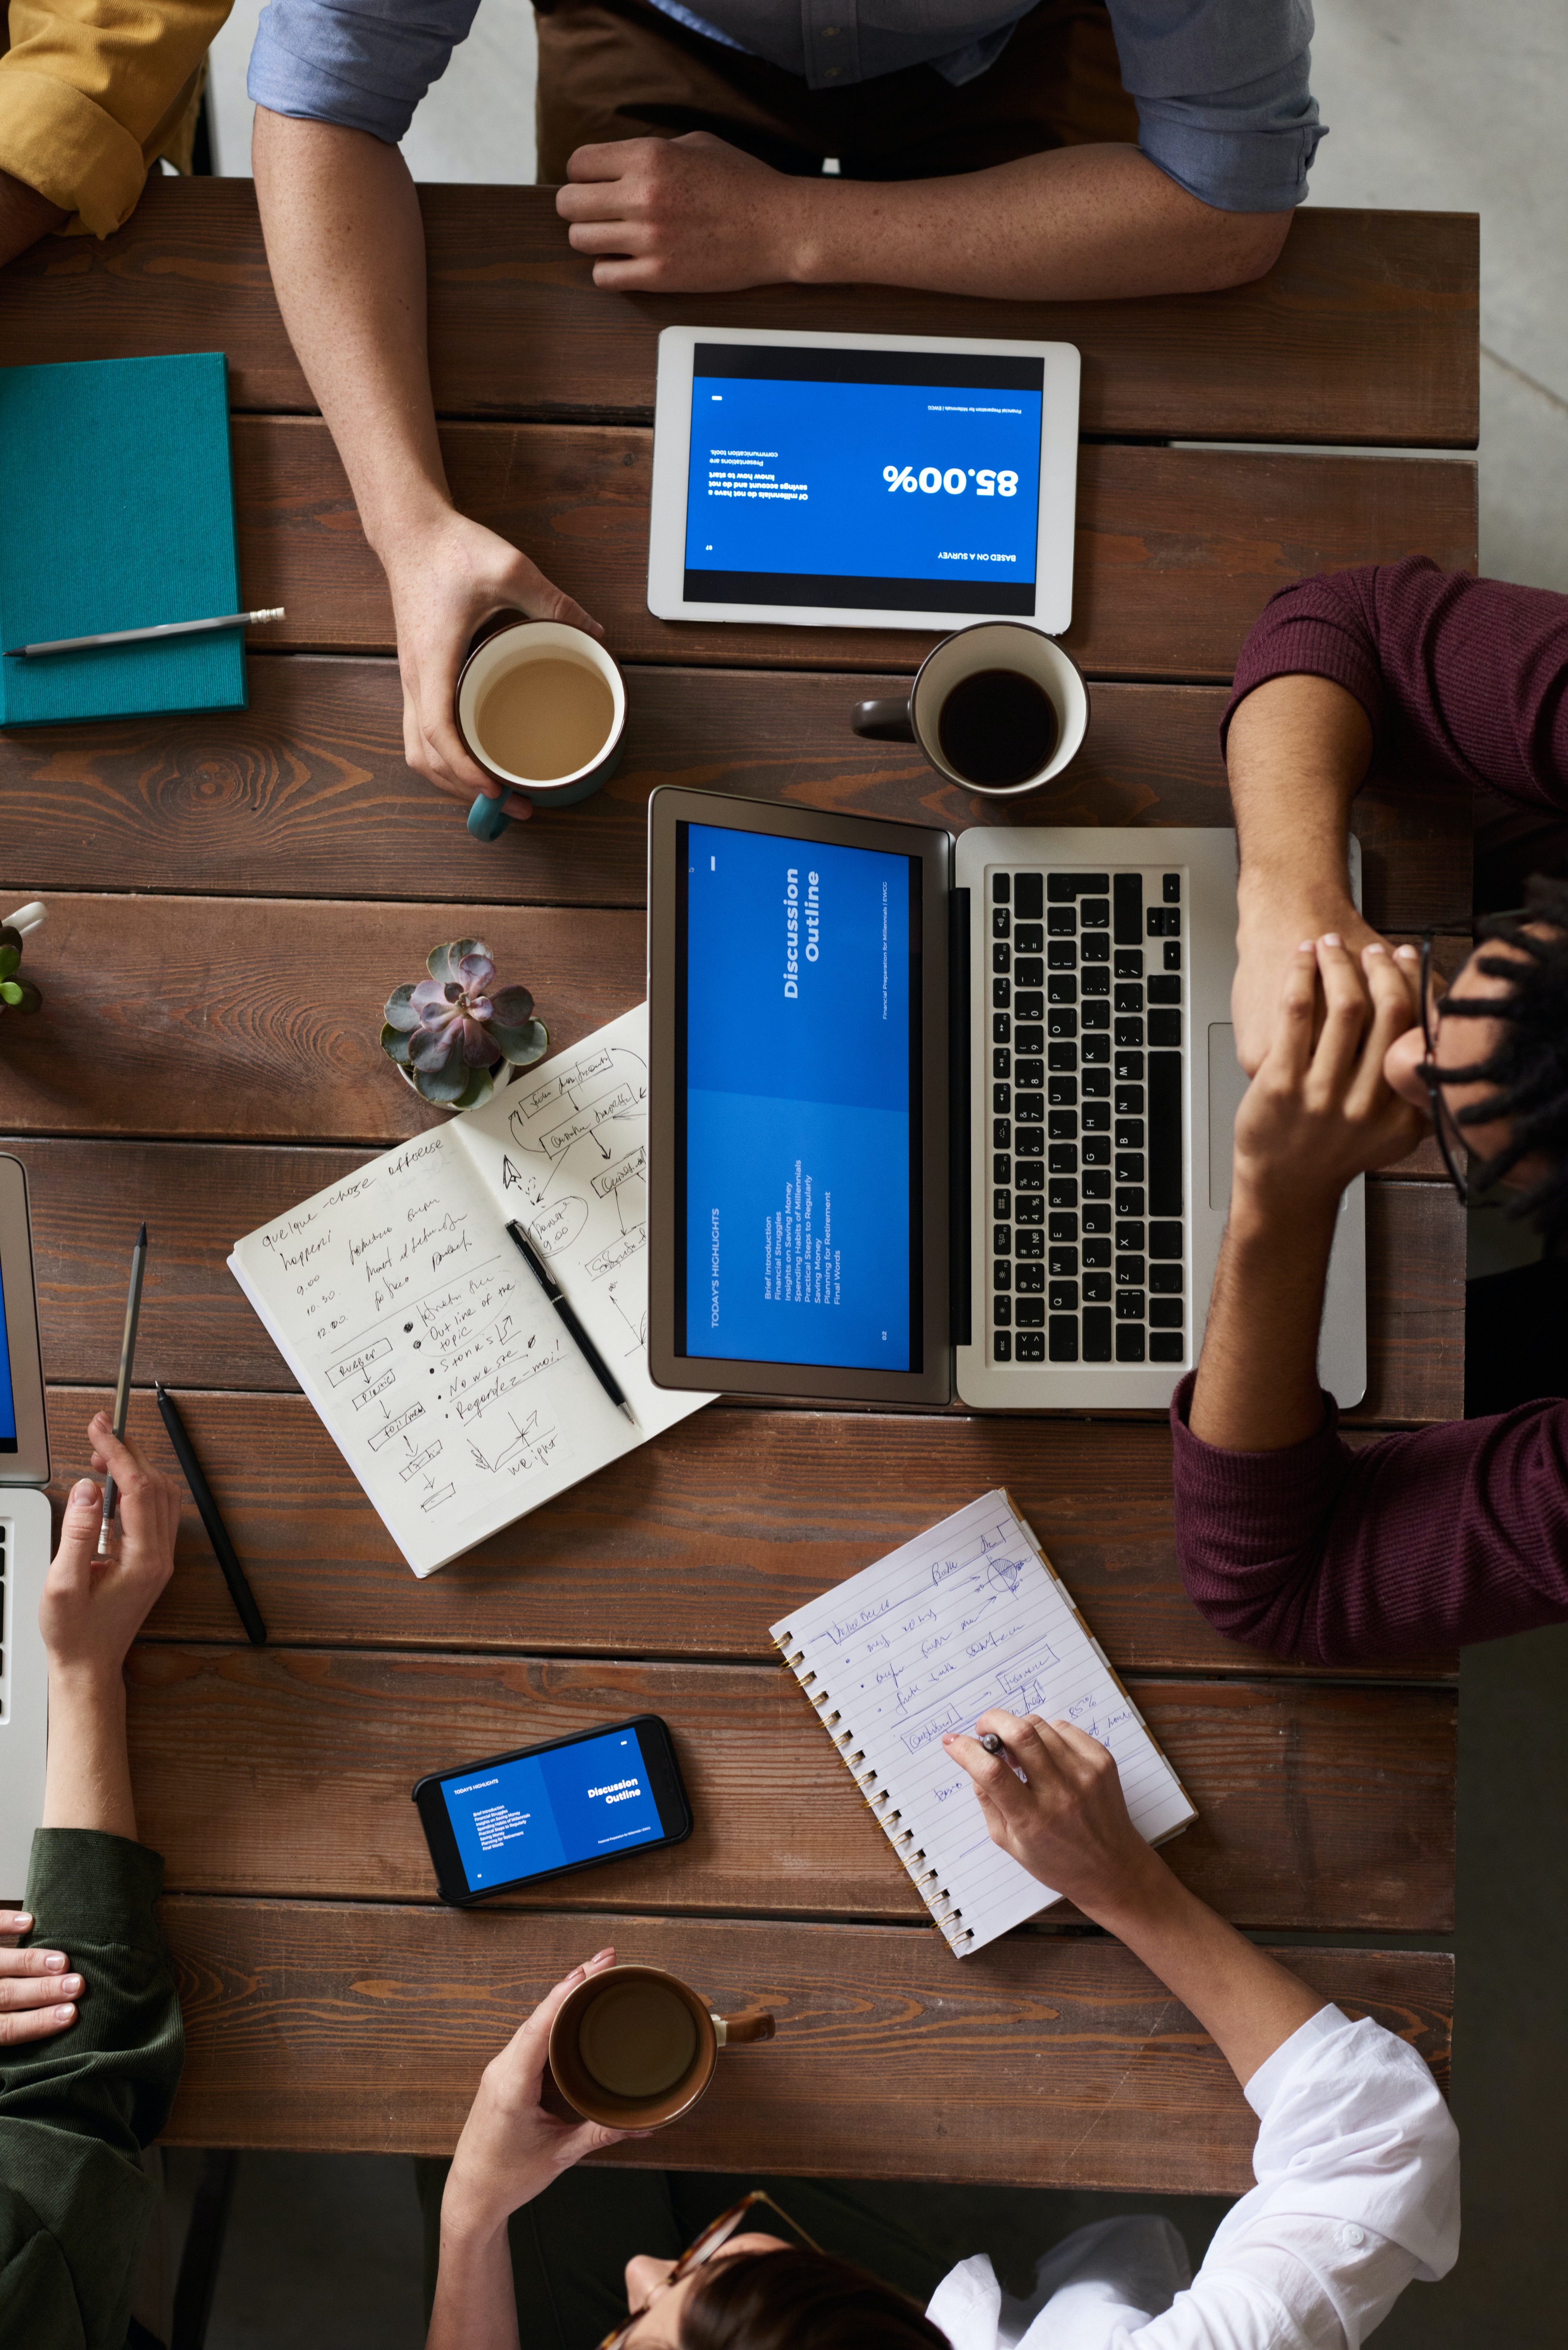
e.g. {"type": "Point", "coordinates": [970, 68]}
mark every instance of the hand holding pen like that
{"type": "Point", "coordinates": [108, 1535]}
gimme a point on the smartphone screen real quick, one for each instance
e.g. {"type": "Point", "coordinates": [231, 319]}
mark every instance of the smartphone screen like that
{"type": "Point", "coordinates": [548, 1808]}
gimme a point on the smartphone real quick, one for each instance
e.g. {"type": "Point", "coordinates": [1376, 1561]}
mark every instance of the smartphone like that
{"type": "Point", "coordinates": [541, 1811]}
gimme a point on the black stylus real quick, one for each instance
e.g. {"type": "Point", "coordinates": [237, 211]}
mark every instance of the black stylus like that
{"type": "Point", "coordinates": [217, 1532]}
{"type": "Point", "coordinates": [584, 1345]}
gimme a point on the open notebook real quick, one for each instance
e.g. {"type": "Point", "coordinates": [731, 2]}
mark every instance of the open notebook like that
{"type": "Point", "coordinates": [968, 1616]}
{"type": "Point", "coordinates": [403, 1307]}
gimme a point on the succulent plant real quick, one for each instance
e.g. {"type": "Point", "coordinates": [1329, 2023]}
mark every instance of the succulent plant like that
{"type": "Point", "coordinates": [450, 1031]}
{"type": "Point", "coordinates": [16, 994]}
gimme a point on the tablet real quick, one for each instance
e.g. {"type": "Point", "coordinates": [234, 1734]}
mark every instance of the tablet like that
{"type": "Point", "coordinates": [798, 1101]}
{"type": "Point", "coordinates": [866, 481]}
{"type": "Point", "coordinates": [24, 1432]}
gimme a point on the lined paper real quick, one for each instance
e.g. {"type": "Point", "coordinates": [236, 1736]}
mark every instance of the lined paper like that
{"type": "Point", "coordinates": [967, 1615]}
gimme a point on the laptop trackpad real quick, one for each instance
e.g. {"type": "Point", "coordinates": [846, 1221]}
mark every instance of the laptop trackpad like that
{"type": "Point", "coordinates": [1341, 1342]}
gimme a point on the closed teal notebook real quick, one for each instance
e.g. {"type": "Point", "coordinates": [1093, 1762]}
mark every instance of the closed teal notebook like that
{"type": "Point", "coordinates": [117, 511]}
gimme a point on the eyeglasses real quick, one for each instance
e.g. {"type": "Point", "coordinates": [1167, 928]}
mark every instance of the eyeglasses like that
{"type": "Point", "coordinates": [717, 2233]}
{"type": "Point", "coordinates": [1442, 1117]}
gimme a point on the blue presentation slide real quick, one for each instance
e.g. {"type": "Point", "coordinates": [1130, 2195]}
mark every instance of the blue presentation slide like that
{"type": "Point", "coordinates": [7, 1392]}
{"type": "Point", "coordinates": [863, 480]}
{"type": "Point", "coordinates": [798, 1116]}
{"type": "Point", "coordinates": [545, 1811]}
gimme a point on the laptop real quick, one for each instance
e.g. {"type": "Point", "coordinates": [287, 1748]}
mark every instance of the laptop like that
{"type": "Point", "coordinates": [932, 1118]}
{"type": "Point", "coordinates": [24, 1539]}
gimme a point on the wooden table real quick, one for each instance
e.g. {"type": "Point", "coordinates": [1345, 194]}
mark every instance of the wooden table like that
{"type": "Point", "coordinates": [232, 899]}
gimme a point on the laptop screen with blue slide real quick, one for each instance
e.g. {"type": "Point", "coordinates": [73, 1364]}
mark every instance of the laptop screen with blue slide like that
{"type": "Point", "coordinates": [7, 1385]}
{"type": "Point", "coordinates": [881, 480]}
{"type": "Point", "coordinates": [798, 1102]}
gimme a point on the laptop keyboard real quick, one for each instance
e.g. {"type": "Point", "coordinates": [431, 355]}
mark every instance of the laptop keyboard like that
{"type": "Point", "coordinates": [1087, 1239]}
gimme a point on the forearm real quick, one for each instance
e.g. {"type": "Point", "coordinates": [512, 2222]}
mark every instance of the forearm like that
{"type": "Point", "coordinates": [87, 1781]}
{"type": "Point", "coordinates": [475, 2304]}
{"type": "Point", "coordinates": [1247, 2002]}
{"type": "Point", "coordinates": [1076, 223]}
{"type": "Point", "coordinates": [24, 217]}
{"type": "Point", "coordinates": [345, 243]}
{"type": "Point", "coordinates": [1296, 753]}
{"type": "Point", "coordinates": [1257, 1389]}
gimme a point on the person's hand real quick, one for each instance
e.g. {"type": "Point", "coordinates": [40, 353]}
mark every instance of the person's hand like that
{"type": "Point", "coordinates": [1319, 1113]}
{"type": "Point", "coordinates": [689, 215]}
{"type": "Point", "coordinates": [1266, 937]}
{"type": "Point", "coordinates": [447, 578]}
{"type": "Point", "coordinates": [92, 1608]}
{"type": "Point", "coordinates": [512, 2146]}
{"type": "Point", "coordinates": [38, 1991]}
{"type": "Point", "coordinates": [1066, 1820]}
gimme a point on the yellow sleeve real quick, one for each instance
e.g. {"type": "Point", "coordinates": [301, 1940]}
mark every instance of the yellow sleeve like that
{"type": "Point", "coordinates": [92, 90]}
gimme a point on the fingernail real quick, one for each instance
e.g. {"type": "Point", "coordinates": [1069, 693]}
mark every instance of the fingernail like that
{"type": "Point", "coordinates": [71, 1982]}
{"type": "Point", "coordinates": [64, 2014]}
{"type": "Point", "coordinates": [21, 1919]}
{"type": "Point", "coordinates": [1307, 946]}
{"type": "Point", "coordinates": [53, 1961]}
{"type": "Point", "coordinates": [84, 1491]}
{"type": "Point", "coordinates": [1376, 948]}
{"type": "Point", "coordinates": [1332, 938]}
{"type": "Point", "coordinates": [1406, 954]}
{"type": "Point", "coordinates": [607, 1952]}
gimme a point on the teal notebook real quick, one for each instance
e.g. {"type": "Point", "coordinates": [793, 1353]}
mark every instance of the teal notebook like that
{"type": "Point", "coordinates": [119, 512]}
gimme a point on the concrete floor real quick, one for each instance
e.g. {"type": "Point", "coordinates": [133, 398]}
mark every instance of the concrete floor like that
{"type": "Point", "coordinates": [1432, 104]}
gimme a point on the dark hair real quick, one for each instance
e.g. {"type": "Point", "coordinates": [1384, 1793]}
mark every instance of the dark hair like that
{"type": "Point", "coordinates": [797, 2299]}
{"type": "Point", "coordinates": [1529, 1066]}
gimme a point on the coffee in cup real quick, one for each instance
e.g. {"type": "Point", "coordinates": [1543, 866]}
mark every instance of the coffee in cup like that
{"type": "Point", "coordinates": [541, 707]}
{"type": "Point", "coordinates": [999, 709]}
{"type": "Point", "coordinates": [633, 2047]}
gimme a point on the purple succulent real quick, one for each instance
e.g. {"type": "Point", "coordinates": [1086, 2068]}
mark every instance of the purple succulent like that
{"type": "Point", "coordinates": [451, 1030]}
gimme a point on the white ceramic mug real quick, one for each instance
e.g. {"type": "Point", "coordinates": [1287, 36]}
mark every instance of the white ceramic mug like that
{"type": "Point", "coordinates": [991, 644]}
{"type": "Point", "coordinates": [513, 646]}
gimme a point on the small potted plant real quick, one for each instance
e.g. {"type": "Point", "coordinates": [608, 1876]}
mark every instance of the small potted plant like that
{"type": "Point", "coordinates": [449, 1033]}
{"type": "Point", "coordinates": [17, 994]}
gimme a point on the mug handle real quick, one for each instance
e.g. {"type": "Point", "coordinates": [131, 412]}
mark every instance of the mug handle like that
{"type": "Point", "coordinates": [487, 818]}
{"type": "Point", "coordinates": [731, 2030]}
{"type": "Point", "coordinates": [885, 720]}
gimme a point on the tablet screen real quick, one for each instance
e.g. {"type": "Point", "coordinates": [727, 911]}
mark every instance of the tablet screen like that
{"type": "Point", "coordinates": [7, 1391]}
{"type": "Point", "coordinates": [799, 1106]}
{"type": "Point", "coordinates": [852, 478]}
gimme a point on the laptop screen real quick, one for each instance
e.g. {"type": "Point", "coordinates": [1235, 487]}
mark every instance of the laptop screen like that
{"type": "Point", "coordinates": [7, 1387]}
{"type": "Point", "coordinates": [893, 481]}
{"type": "Point", "coordinates": [798, 1109]}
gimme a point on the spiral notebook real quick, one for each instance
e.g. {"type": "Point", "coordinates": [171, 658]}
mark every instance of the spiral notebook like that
{"type": "Point", "coordinates": [967, 1615]}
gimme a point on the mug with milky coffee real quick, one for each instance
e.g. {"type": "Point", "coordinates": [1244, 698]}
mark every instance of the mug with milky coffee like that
{"type": "Point", "coordinates": [542, 707]}
{"type": "Point", "coordinates": [634, 2047]}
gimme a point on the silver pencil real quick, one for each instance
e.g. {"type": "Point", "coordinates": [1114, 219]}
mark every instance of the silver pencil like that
{"type": "Point", "coordinates": [141, 636]}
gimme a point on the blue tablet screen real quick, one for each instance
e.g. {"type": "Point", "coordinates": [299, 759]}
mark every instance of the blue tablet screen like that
{"type": "Point", "coordinates": [539, 1812]}
{"type": "Point", "coordinates": [7, 1391]}
{"type": "Point", "coordinates": [890, 481]}
{"type": "Point", "coordinates": [799, 1084]}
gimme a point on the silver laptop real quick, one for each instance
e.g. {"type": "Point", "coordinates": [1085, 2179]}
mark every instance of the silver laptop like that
{"type": "Point", "coordinates": [24, 1539]}
{"type": "Point", "coordinates": [932, 1117]}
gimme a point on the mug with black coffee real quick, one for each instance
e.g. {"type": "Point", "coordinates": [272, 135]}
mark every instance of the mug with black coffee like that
{"type": "Point", "coordinates": [634, 2047]}
{"type": "Point", "coordinates": [998, 708]}
{"type": "Point", "coordinates": [542, 708]}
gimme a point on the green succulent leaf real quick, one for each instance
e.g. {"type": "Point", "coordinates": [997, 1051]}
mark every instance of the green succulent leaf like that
{"type": "Point", "coordinates": [9, 959]}
{"type": "Point", "coordinates": [19, 995]}
{"type": "Point", "coordinates": [444, 1085]}
{"type": "Point", "coordinates": [522, 1046]}
{"type": "Point", "coordinates": [395, 1044]}
{"type": "Point", "coordinates": [437, 963]}
{"type": "Point", "coordinates": [479, 1086]}
{"type": "Point", "coordinates": [400, 1012]}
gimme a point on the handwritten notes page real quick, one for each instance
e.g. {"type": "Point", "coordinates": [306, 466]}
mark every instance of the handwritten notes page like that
{"type": "Point", "coordinates": [415, 1327]}
{"type": "Point", "coordinates": [968, 1616]}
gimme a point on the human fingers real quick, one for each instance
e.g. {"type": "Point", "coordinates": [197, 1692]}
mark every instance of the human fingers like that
{"type": "Point", "coordinates": [16, 1921]}
{"type": "Point", "coordinates": [36, 2023]}
{"type": "Point", "coordinates": [149, 1506]}
{"type": "Point", "coordinates": [1284, 1065]}
{"type": "Point", "coordinates": [1347, 1008]}
{"type": "Point", "coordinates": [22, 1994]}
{"type": "Point", "coordinates": [537, 2026]}
{"type": "Point", "coordinates": [30, 1963]}
{"type": "Point", "coordinates": [70, 1569]}
{"type": "Point", "coordinates": [591, 2138]}
{"type": "Point", "coordinates": [607, 161]}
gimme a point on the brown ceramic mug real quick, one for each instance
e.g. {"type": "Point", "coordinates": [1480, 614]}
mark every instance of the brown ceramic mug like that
{"type": "Point", "coordinates": [633, 2047]}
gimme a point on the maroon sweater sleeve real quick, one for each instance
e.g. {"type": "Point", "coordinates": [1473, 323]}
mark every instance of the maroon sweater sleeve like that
{"type": "Point", "coordinates": [1405, 1545]}
{"type": "Point", "coordinates": [1460, 677]}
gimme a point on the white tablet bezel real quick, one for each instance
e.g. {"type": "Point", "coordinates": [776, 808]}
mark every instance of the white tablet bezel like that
{"type": "Point", "coordinates": [671, 458]}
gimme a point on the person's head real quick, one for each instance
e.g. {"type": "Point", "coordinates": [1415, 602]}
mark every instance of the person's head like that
{"type": "Point", "coordinates": [1499, 1059]}
{"type": "Point", "coordinates": [755, 2292]}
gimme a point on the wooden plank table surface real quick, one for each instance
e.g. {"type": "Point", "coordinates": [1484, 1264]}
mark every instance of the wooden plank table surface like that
{"type": "Point", "coordinates": [232, 898]}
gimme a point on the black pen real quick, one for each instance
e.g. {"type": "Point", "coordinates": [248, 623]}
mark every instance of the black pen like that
{"type": "Point", "coordinates": [122, 1385]}
{"type": "Point", "coordinates": [585, 1347]}
{"type": "Point", "coordinates": [217, 1532]}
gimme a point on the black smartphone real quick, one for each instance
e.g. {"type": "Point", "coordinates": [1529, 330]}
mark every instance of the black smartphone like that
{"type": "Point", "coordinates": [541, 1811]}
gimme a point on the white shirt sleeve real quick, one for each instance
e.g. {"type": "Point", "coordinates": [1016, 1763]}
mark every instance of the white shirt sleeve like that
{"type": "Point", "coordinates": [1357, 2195]}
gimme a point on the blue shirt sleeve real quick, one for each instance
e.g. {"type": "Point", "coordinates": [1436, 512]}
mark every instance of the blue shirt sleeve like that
{"type": "Point", "coordinates": [1224, 101]}
{"type": "Point", "coordinates": [365, 64]}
